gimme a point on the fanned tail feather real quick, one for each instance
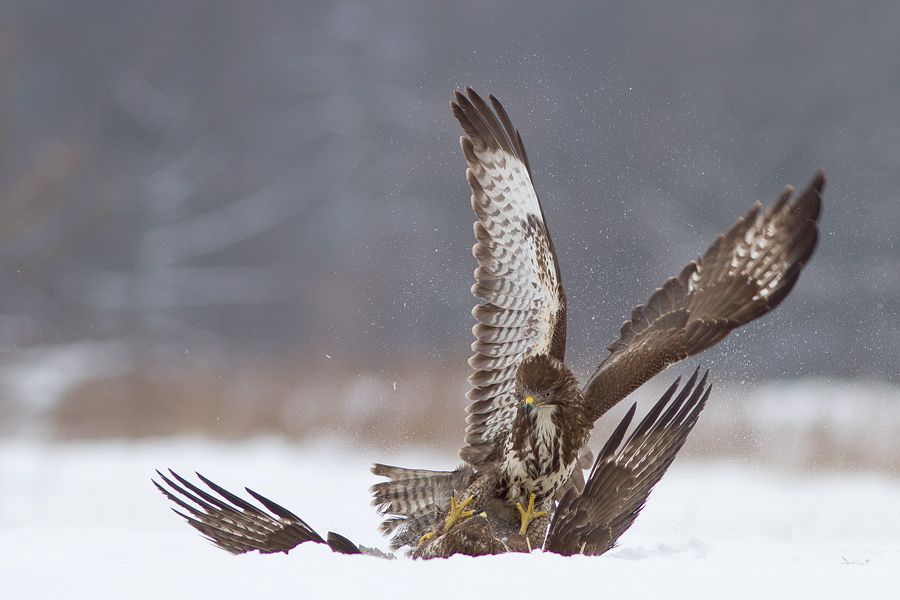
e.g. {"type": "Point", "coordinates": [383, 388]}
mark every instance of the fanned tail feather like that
{"type": "Point", "coordinates": [413, 500]}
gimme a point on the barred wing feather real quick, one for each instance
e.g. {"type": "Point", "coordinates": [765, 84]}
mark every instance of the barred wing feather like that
{"type": "Point", "coordinates": [524, 308]}
{"type": "Point", "coordinates": [625, 473]}
{"type": "Point", "coordinates": [744, 274]}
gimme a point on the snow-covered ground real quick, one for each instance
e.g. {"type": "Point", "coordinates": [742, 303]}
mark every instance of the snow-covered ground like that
{"type": "Point", "coordinates": [83, 520]}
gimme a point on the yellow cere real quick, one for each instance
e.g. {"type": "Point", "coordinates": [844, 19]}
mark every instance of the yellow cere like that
{"type": "Point", "coordinates": [529, 399]}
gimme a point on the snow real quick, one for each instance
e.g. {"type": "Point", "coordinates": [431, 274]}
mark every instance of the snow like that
{"type": "Point", "coordinates": [82, 520]}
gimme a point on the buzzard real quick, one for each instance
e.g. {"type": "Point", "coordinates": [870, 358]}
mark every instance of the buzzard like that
{"type": "Point", "coordinates": [589, 522]}
{"type": "Point", "coordinates": [528, 418]}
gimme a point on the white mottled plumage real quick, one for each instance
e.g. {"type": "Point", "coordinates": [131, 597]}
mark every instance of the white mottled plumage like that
{"type": "Point", "coordinates": [515, 449]}
{"type": "Point", "coordinates": [517, 277]}
{"type": "Point", "coordinates": [520, 331]}
{"type": "Point", "coordinates": [521, 465]}
{"type": "Point", "coordinates": [745, 273]}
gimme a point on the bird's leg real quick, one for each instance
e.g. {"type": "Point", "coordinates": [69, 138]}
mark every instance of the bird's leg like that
{"type": "Point", "coordinates": [528, 515]}
{"type": "Point", "coordinates": [458, 512]}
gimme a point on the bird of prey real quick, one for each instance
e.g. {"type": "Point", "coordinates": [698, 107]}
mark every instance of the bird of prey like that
{"type": "Point", "coordinates": [590, 522]}
{"type": "Point", "coordinates": [528, 417]}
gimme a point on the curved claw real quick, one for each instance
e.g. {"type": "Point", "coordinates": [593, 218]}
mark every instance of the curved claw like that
{"type": "Point", "coordinates": [426, 537]}
{"type": "Point", "coordinates": [528, 515]}
{"type": "Point", "coordinates": [458, 512]}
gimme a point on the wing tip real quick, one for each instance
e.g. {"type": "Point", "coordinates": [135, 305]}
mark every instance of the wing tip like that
{"type": "Point", "coordinates": [820, 178]}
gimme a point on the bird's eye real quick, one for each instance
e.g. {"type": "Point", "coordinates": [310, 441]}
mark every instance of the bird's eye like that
{"type": "Point", "coordinates": [547, 394]}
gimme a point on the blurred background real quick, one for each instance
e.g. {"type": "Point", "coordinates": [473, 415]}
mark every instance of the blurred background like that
{"type": "Point", "coordinates": [235, 219]}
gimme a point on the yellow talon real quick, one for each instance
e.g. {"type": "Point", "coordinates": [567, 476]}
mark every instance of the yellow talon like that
{"type": "Point", "coordinates": [426, 537]}
{"type": "Point", "coordinates": [528, 515]}
{"type": "Point", "coordinates": [458, 512]}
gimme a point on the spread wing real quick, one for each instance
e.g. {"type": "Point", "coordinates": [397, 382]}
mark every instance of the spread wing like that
{"type": "Point", "coordinates": [624, 474]}
{"type": "Point", "coordinates": [744, 274]}
{"type": "Point", "coordinates": [524, 308]}
{"type": "Point", "coordinates": [238, 526]}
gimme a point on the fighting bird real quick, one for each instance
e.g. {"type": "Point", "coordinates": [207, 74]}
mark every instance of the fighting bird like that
{"type": "Point", "coordinates": [589, 522]}
{"type": "Point", "coordinates": [529, 419]}
{"type": "Point", "coordinates": [521, 484]}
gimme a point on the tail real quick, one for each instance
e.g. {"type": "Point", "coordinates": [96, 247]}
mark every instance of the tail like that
{"type": "Point", "coordinates": [413, 500]}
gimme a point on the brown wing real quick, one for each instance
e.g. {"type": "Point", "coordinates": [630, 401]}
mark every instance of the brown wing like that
{"type": "Point", "coordinates": [624, 474]}
{"type": "Point", "coordinates": [524, 308]}
{"type": "Point", "coordinates": [743, 275]}
{"type": "Point", "coordinates": [238, 526]}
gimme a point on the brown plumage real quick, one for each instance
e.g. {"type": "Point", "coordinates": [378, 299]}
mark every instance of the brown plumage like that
{"type": "Point", "coordinates": [238, 526]}
{"type": "Point", "coordinates": [620, 481]}
{"type": "Point", "coordinates": [232, 523]}
{"type": "Point", "coordinates": [473, 537]}
{"type": "Point", "coordinates": [521, 321]}
{"type": "Point", "coordinates": [587, 523]}
{"type": "Point", "coordinates": [624, 474]}
{"type": "Point", "coordinates": [527, 416]}
{"type": "Point", "coordinates": [744, 274]}
{"type": "Point", "coordinates": [416, 499]}
{"type": "Point", "coordinates": [523, 312]}
{"type": "Point", "coordinates": [546, 434]}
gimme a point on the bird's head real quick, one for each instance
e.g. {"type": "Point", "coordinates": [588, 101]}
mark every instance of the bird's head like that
{"type": "Point", "coordinates": [544, 382]}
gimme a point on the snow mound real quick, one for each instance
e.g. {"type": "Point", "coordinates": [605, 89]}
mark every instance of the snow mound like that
{"type": "Point", "coordinates": [83, 520]}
